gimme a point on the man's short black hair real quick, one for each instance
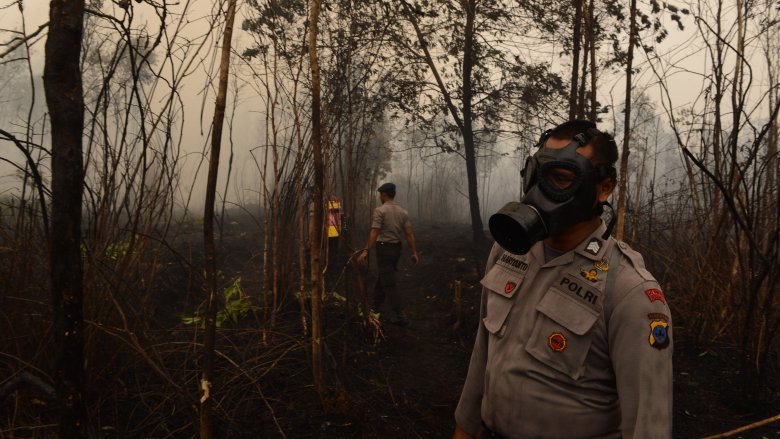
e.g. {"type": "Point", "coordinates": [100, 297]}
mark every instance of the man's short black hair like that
{"type": "Point", "coordinates": [604, 148]}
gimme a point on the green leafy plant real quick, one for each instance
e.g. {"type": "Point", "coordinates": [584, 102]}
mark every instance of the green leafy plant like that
{"type": "Point", "coordinates": [237, 307]}
{"type": "Point", "coordinates": [338, 297]}
{"type": "Point", "coordinates": [117, 250]}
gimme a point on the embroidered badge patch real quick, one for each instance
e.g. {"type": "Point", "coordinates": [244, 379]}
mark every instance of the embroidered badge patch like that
{"type": "Point", "coordinates": [589, 274]}
{"type": "Point", "coordinates": [655, 294]}
{"type": "Point", "coordinates": [557, 342]}
{"type": "Point", "coordinates": [593, 246]}
{"type": "Point", "coordinates": [602, 265]}
{"type": "Point", "coordinates": [659, 334]}
{"type": "Point", "coordinates": [509, 287]}
{"type": "Point", "coordinates": [658, 316]}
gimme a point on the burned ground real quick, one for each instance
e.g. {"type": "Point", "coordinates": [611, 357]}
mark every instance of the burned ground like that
{"type": "Point", "coordinates": [407, 384]}
{"type": "Point", "coordinates": [402, 382]}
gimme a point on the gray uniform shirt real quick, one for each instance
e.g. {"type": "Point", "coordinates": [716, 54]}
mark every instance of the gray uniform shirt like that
{"type": "Point", "coordinates": [548, 363]}
{"type": "Point", "coordinates": [391, 220]}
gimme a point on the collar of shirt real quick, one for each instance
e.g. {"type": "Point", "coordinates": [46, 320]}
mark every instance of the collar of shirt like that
{"type": "Point", "coordinates": [593, 247]}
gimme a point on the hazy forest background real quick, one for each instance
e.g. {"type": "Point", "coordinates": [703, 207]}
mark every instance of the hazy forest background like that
{"type": "Point", "coordinates": [136, 135]}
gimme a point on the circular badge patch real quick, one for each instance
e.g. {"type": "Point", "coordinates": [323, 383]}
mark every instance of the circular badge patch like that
{"type": "Point", "coordinates": [659, 334]}
{"type": "Point", "coordinates": [557, 342]}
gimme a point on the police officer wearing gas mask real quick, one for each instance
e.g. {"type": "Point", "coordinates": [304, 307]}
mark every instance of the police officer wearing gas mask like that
{"type": "Point", "coordinates": [575, 336]}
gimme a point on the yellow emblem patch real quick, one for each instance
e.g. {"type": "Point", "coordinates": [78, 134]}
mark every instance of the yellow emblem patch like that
{"type": "Point", "coordinates": [602, 265]}
{"type": "Point", "coordinates": [591, 275]}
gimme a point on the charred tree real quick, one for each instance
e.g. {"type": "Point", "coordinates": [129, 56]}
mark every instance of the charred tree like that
{"type": "Point", "coordinates": [315, 243]}
{"type": "Point", "coordinates": [621, 207]}
{"type": "Point", "coordinates": [465, 122]}
{"type": "Point", "coordinates": [593, 108]}
{"type": "Point", "coordinates": [210, 269]}
{"type": "Point", "coordinates": [575, 59]}
{"type": "Point", "coordinates": [468, 129]}
{"type": "Point", "coordinates": [65, 99]}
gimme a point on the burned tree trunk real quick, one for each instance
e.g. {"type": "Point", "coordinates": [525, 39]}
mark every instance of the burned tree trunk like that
{"type": "Point", "coordinates": [65, 99]}
{"type": "Point", "coordinates": [575, 59]}
{"type": "Point", "coordinates": [621, 207]}
{"type": "Point", "coordinates": [318, 368]}
{"type": "Point", "coordinates": [210, 269]}
{"type": "Point", "coordinates": [477, 227]}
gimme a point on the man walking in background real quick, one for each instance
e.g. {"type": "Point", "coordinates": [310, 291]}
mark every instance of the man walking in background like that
{"type": "Point", "coordinates": [575, 336]}
{"type": "Point", "coordinates": [388, 223]}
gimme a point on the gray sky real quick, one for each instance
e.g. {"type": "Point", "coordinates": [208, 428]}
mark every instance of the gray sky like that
{"type": "Point", "coordinates": [682, 58]}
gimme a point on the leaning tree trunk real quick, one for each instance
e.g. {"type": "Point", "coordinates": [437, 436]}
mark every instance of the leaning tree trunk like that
{"type": "Point", "coordinates": [65, 100]}
{"type": "Point", "coordinates": [477, 228]}
{"type": "Point", "coordinates": [592, 114]}
{"type": "Point", "coordinates": [621, 207]}
{"type": "Point", "coordinates": [465, 128]}
{"type": "Point", "coordinates": [318, 368]}
{"type": "Point", "coordinates": [575, 59]}
{"type": "Point", "coordinates": [210, 269]}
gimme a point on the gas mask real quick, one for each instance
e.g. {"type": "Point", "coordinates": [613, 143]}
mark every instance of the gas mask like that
{"type": "Point", "coordinates": [560, 191]}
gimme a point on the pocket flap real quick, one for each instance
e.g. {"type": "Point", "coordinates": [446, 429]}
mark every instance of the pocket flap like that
{"type": "Point", "coordinates": [501, 281]}
{"type": "Point", "coordinates": [567, 312]}
{"type": "Point", "coordinates": [503, 286]}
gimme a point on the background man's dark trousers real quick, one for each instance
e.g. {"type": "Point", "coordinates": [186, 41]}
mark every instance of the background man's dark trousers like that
{"type": "Point", "coordinates": [386, 289]}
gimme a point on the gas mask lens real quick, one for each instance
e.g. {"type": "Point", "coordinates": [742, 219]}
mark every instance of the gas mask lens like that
{"type": "Point", "coordinates": [560, 178]}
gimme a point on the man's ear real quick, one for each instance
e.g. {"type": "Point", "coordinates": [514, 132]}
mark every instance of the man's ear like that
{"type": "Point", "coordinates": [604, 189]}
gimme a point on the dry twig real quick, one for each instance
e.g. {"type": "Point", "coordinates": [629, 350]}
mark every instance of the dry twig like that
{"type": "Point", "coordinates": [745, 428]}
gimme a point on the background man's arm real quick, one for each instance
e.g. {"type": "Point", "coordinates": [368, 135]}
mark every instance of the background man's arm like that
{"type": "Point", "coordinates": [412, 244]}
{"type": "Point", "coordinates": [372, 236]}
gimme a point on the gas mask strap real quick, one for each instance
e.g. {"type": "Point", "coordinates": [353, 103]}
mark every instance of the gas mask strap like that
{"type": "Point", "coordinates": [612, 222]}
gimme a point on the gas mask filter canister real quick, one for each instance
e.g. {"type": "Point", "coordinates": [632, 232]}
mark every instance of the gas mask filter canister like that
{"type": "Point", "coordinates": [560, 191]}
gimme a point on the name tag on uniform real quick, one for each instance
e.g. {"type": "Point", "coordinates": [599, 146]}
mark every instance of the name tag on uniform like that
{"type": "Point", "coordinates": [506, 276]}
{"type": "Point", "coordinates": [512, 263]}
{"type": "Point", "coordinates": [580, 289]}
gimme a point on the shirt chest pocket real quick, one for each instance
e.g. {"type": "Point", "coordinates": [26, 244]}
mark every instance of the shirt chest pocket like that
{"type": "Point", "coordinates": [503, 285]}
{"type": "Point", "coordinates": [560, 337]}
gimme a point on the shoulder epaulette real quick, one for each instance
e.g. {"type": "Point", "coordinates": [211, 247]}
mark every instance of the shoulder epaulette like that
{"type": "Point", "coordinates": [636, 260]}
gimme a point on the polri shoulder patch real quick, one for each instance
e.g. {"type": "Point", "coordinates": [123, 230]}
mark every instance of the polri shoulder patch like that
{"type": "Point", "coordinates": [659, 334]}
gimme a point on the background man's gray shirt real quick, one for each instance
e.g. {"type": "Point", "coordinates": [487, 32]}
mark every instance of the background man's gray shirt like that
{"type": "Point", "coordinates": [547, 364]}
{"type": "Point", "coordinates": [391, 220]}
